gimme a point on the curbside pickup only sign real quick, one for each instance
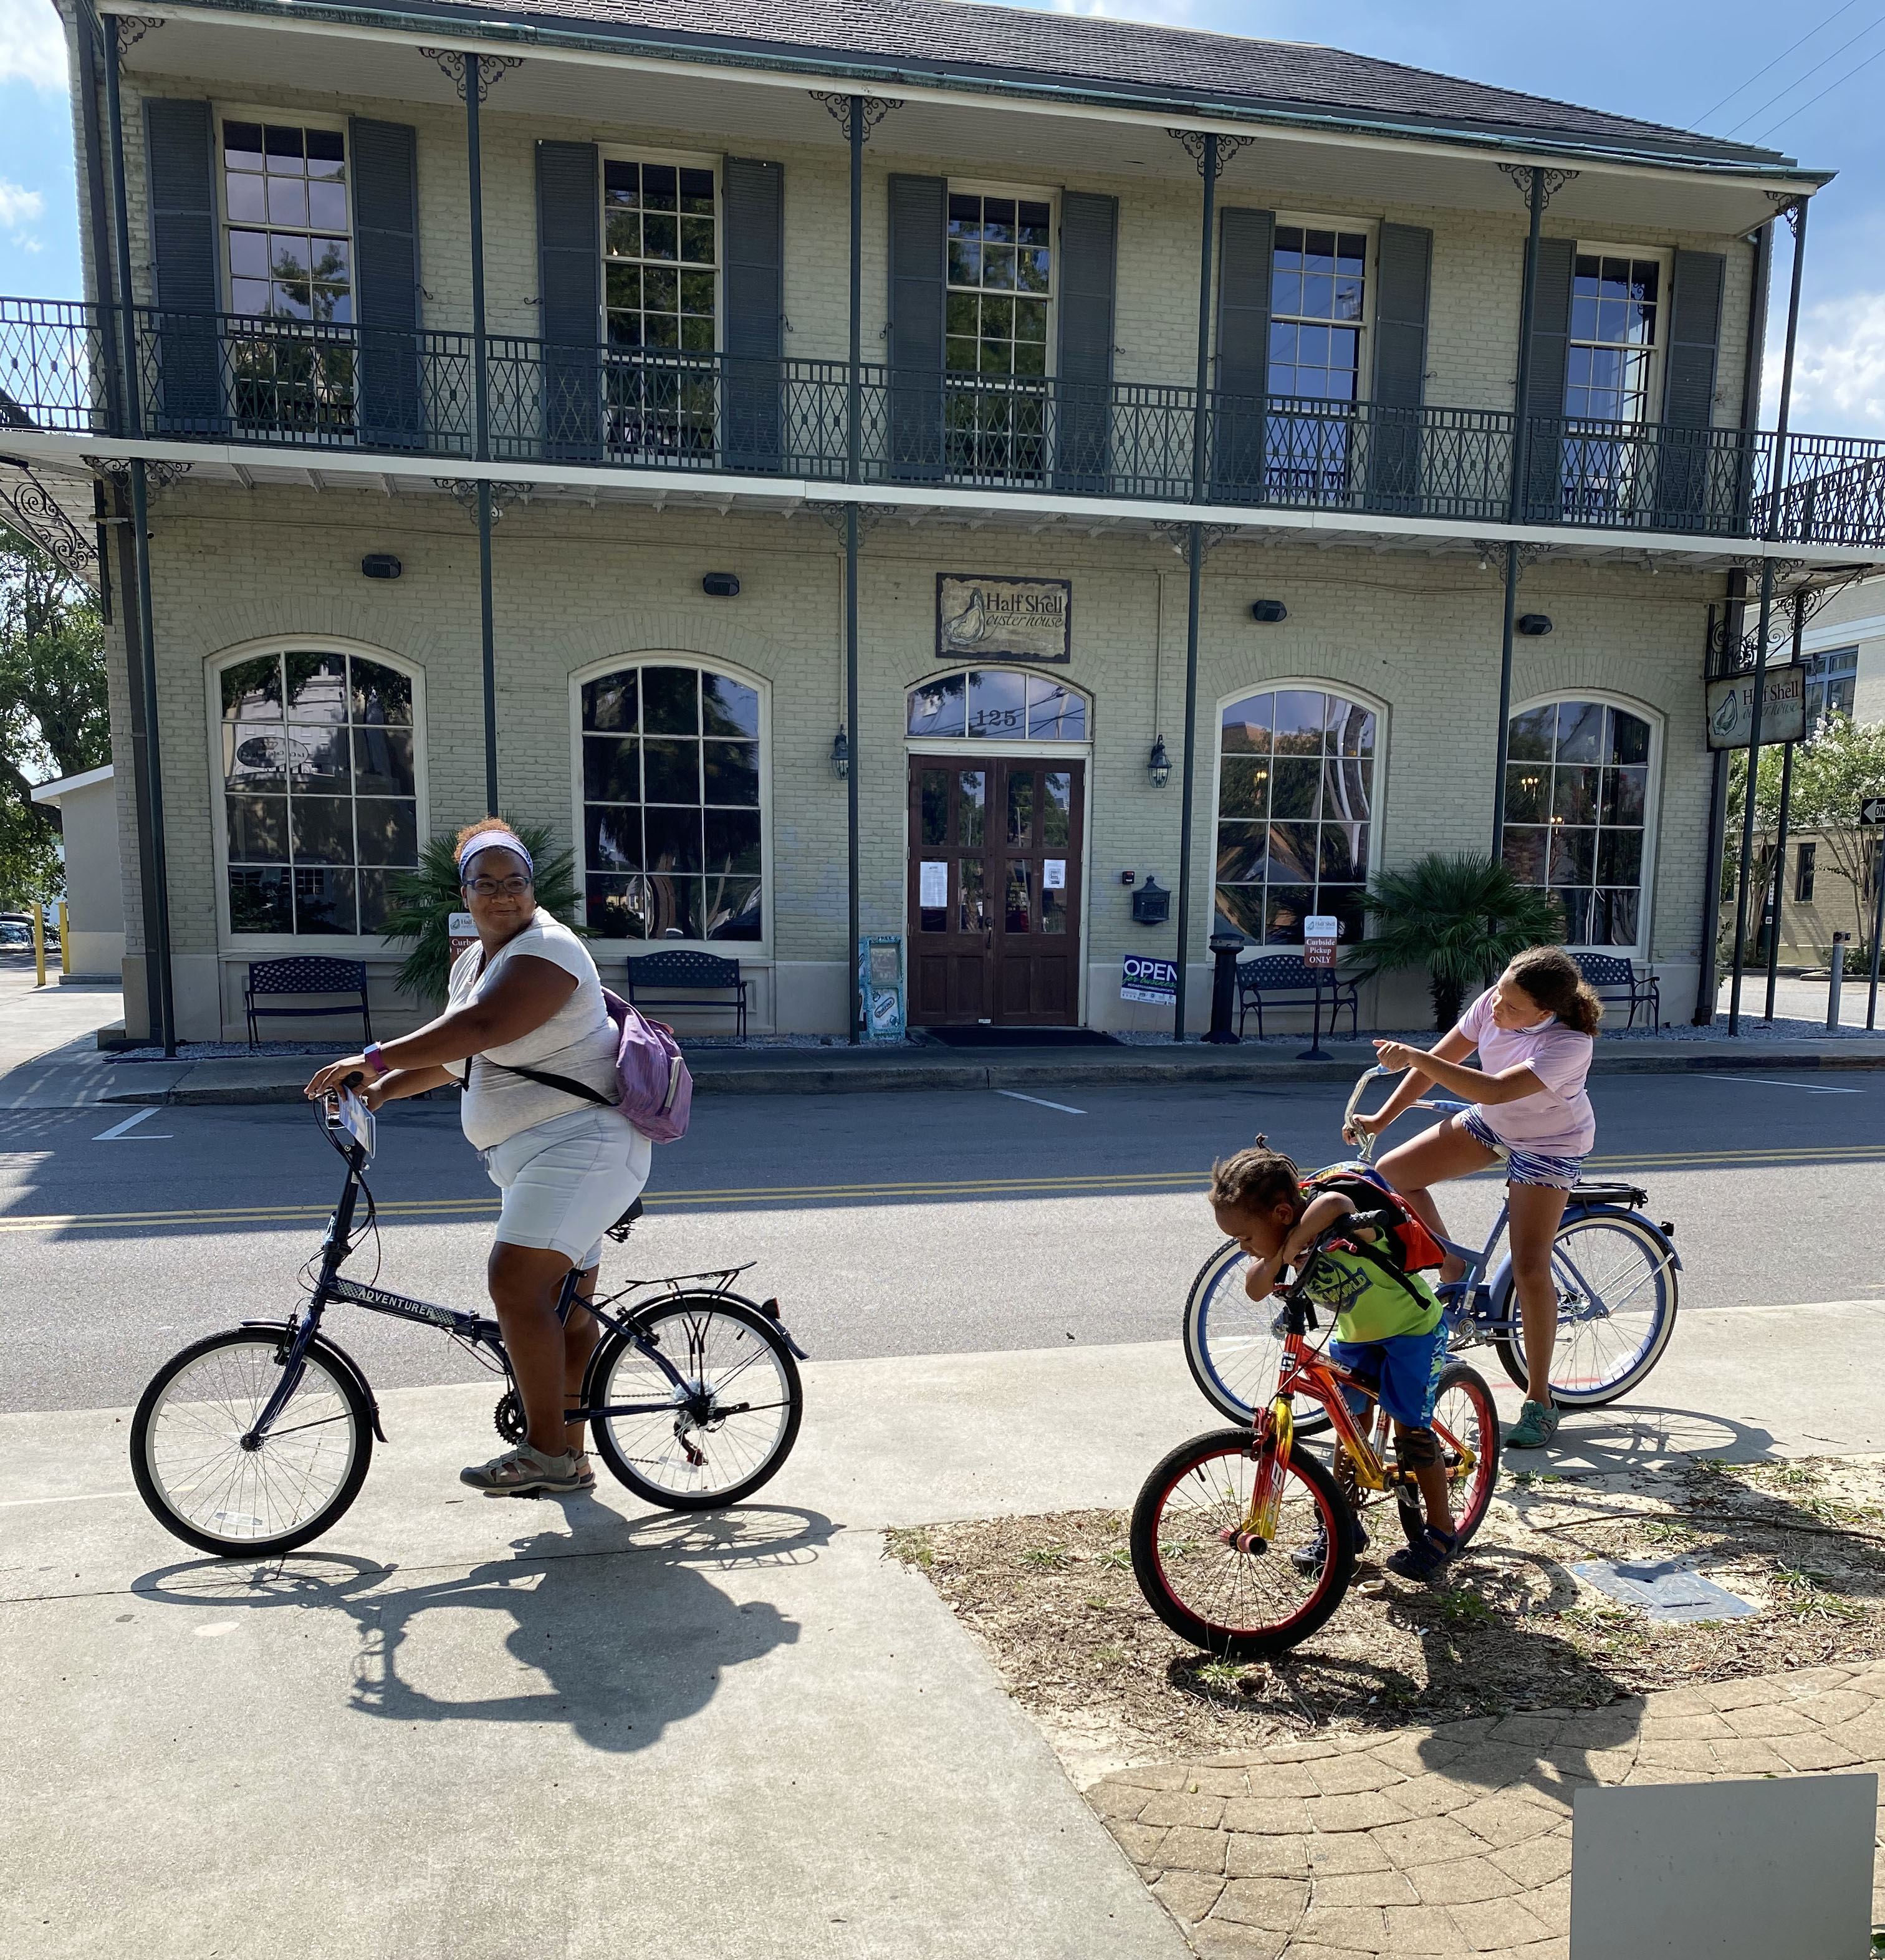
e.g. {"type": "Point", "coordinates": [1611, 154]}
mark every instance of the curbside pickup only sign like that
{"type": "Point", "coordinates": [1154, 982]}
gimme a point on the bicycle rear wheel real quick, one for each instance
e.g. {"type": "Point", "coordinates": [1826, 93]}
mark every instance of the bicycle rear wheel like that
{"type": "Point", "coordinates": [1234, 1343]}
{"type": "Point", "coordinates": [206, 1483]}
{"type": "Point", "coordinates": [1616, 1287]}
{"type": "Point", "coordinates": [1463, 1415]}
{"type": "Point", "coordinates": [1242, 1605]}
{"type": "Point", "coordinates": [724, 1431]}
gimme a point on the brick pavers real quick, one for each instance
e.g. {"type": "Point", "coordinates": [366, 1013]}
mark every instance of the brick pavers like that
{"type": "Point", "coordinates": [1453, 1842]}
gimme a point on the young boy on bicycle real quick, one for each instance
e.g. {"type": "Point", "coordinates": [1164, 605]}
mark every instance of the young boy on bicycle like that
{"type": "Point", "coordinates": [1389, 1330]}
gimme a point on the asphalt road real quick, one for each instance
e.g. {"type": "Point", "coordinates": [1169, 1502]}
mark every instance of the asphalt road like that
{"type": "Point", "coordinates": [924, 1223]}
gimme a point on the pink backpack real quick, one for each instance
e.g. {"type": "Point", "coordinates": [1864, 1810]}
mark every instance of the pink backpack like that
{"type": "Point", "coordinates": [657, 1092]}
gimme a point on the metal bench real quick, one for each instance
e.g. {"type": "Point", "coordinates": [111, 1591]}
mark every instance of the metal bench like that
{"type": "Point", "coordinates": [268, 978]}
{"type": "Point", "coordinates": [698, 972]}
{"type": "Point", "coordinates": [1288, 980]}
{"type": "Point", "coordinates": [1611, 977]}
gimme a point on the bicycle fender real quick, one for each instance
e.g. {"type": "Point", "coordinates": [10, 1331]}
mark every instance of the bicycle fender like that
{"type": "Point", "coordinates": [767, 1309]}
{"type": "Point", "coordinates": [1575, 1212]}
{"type": "Point", "coordinates": [331, 1352]}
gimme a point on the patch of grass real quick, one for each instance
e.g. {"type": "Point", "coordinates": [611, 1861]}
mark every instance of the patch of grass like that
{"type": "Point", "coordinates": [1785, 1476]}
{"type": "Point", "coordinates": [1461, 1606]}
{"type": "Point", "coordinates": [1806, 1596]}
{"type": "Point", "coordinates": [910, 1545]}
{"type": "Point", "coordinates": [1111, 1653]}
{"type": "Point", "coordinates": [1217, 1673]}
{"type": "Point", "coordinates": [1118, 1559]}
{"type": "Point", "coordinates": [1661, 1532]}
{"type": "Point", "coordinates": [1048, 1557]}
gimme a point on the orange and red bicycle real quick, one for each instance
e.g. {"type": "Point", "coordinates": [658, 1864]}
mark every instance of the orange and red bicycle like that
{"type": "Point", "coordinates": [1244, 1543]}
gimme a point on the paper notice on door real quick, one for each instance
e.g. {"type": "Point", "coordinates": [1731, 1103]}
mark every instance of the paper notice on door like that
{"type": "Point", "coordinates": [1053, 875]}
{"type": "Point", "coordinates": [933, 884]}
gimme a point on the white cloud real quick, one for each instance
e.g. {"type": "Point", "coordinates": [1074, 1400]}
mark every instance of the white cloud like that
{"type": "Point", "coordinates": [18, 206]}
{"type": "Point", "coordinates": [1839, 368]}
{"type": "Point", "coordinates": [32, 44]}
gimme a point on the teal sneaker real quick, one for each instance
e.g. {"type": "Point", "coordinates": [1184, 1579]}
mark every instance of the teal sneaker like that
{"type": "Point", "coordinates": [1537, 1423]}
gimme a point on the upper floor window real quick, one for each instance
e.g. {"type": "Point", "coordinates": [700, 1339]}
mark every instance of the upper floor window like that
{"type": "Point", "coordinates": [1831, 684]}
{"type": "Point", "coordinates": [1295, 802]}
{"type": "Point", "coordinates": [672, 835]}
{"type": "Point", "coordinates": [285, 221]}
{"type": "Point", "coordinates": [1616, 299]}
{"type": "Point", "coordinates": [1577, 793]}
{"type": "Point", "coordinates": [660, 256]}
{"type": "Point", "coordinates": [1318, 292]}
{"type": "Point", "coordinates": [996, 704]}
{"type": "Point", "coordinates": [1000, 284]}
{"type": "Point", "coordinates": [320, 793]}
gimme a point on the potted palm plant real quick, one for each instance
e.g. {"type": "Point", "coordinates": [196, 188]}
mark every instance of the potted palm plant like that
{"type": "Point", "coordinates": [423, 901]}
{"type": "Point", "coordinates": [1463, 918]}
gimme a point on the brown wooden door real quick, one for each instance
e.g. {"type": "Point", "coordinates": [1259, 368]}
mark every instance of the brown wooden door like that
{"type": "Point", "coordinates": [994, 890]}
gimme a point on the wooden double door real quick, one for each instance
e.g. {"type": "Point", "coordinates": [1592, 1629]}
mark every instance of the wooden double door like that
{"type": "Point", "coordinates": [994, 890]}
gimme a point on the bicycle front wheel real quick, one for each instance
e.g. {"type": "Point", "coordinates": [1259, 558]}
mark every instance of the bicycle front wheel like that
{"type": "Point", "coordinates": [1243, 1605]}
{"type": "Point", "coordinates": [1616, 1289]}
{"type": "Point", "coordinates": [211, 1482]}
{"type": "Point", "coordinates": [1234, 1343]}
{"type": "Point", "coordinates": [724, 1430]}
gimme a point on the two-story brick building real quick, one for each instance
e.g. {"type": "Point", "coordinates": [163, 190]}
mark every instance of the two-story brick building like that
{"type": "Point", "coordinates": [883, 469]}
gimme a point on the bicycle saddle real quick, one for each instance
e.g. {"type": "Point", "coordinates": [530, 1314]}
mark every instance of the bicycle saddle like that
{"type": "Point", "coordinates": [620, 1230]}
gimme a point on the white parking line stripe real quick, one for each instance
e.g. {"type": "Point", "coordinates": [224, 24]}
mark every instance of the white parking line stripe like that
{"type": "Point", "coordinates": [117, 1129]}
{"type": "Point", "coordinates": [1781, 1082]}
{"type": "Point", "coordinates": [1040, 1102]}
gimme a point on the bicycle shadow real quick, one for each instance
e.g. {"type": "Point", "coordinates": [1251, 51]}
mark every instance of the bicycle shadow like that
{"type": "Point", "coordinates": [628, 1628]}
{"type": "Point", "coordinates": [1620, 1441]}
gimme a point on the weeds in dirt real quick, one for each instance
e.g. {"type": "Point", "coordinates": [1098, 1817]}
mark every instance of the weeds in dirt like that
{"type": "Point", "coordinates": [911, 1545]}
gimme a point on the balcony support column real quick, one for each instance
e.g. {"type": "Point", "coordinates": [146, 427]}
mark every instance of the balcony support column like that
{"type": "Point", "coordinates": [165, 1026]}
{"type": "Point", "coordinates": [855, 133]}
{"type": "Point", "coordinates": [1514, 508]}
{"type": "Point", "coordinates": [481, 410]}
{"type": "Point", "coordinates": [1209, 165]}
{"type": "Point", "coordinates": [1797, 218]}
{"type": "Point", "coordinates": [1780, 829]}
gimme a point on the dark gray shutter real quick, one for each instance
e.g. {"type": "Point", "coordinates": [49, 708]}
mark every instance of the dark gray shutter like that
{"type": "Point", "coordinates": [382, 164]}
{"type": "Point", "coordinates": [1083, 385]}
{"type": "Point", "coordinates": [1544, 406]}
{"type": "Point", "coordinates": [753, 195]}
{"type": "Point", "coordinates": [569, 284]}
{"type": "Point", "coordinates": [1239, 411]}
{"type": "Point", "coordinates": [1694, 476]}
{"type": "Point", "coordinates": [919, 207]}
{"type": "Point", "coordinates": [179, 150]}
{"type": "Point", "coordinates": [1391, 427]}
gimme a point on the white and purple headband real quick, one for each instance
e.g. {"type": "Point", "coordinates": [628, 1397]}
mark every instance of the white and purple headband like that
{"type": "Point", "coordinates": [493, 840]}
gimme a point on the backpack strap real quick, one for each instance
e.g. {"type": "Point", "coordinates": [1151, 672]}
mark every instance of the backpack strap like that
{"type": "Point", "coordinates": [562, 1082]}
{"type": "Point", "coordinates": [1393, 1272]}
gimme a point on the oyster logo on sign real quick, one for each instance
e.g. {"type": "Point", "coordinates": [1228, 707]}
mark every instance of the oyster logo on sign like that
{"type": "Point", "coordinates": [1007, 618]}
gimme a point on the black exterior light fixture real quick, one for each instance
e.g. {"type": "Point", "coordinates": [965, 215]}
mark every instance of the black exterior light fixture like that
{"type": "Point", "coordinates": [1158, 764]}
{"type": "Point", "coordinates": [380, 564]}
{"type": "Point", "coordinates": [840, 754]}
{"type": "Point", "coordinates": [1269, 612]}
{"type": "Point", "coordinates": [1535, 625]}
{"type": "Point", "coordinates": [720, 585]}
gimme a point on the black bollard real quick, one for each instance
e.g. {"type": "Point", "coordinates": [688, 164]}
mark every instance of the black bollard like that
{"type": "Point", "coordinates": [1226, 943]}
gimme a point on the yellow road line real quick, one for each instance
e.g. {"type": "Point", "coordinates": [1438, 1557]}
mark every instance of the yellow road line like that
{"type": "Point", "coordinates": [1149, 1182]}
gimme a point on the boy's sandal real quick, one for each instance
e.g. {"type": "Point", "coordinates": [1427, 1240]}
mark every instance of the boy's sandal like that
{"type": "Point", "coordinates": [1426, 1557]}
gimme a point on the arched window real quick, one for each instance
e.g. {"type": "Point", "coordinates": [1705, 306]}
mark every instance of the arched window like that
{"type": "Point", "coordinates": [1296, 792]}
{"type": "Point", "coordinates": [319, 774]}
{"type": "Point", "coordinates": [672, 836]}
{"type": "Point", "coordinates": [1577, 795]}
{"type": "Point", "coordinates": [996, 704]}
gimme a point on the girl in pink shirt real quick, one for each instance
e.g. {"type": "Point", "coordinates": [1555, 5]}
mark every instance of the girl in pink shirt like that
{"type": "Point", "coordinates": [1534, 1030]}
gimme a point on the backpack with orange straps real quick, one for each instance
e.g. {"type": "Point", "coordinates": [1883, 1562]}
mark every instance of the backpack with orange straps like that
{"type": "Point", "coordinates": [1405, 1247]}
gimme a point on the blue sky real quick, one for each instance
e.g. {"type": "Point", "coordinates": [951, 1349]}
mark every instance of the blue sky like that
{"type": "Point", "coordinates": [1670, 61]}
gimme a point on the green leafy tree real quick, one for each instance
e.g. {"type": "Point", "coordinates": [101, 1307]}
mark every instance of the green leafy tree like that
{"type": "Point", "coordinates": [424, 900]}
{"type": "Point", "coordinates": [54, 716]}
{"type": "Point", "coordinates": [1463, 918]}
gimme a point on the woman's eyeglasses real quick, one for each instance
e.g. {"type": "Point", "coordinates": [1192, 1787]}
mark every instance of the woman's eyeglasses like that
{"type": "Point", "coordinates": [513, 887]}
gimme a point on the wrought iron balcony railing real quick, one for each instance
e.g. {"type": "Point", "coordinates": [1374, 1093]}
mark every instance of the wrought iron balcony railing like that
{"type": "Point", "coordinates": [306, 384]}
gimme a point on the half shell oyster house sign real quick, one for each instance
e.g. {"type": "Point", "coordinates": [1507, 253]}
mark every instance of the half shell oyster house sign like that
{"type": "Point", "coordinates": [1009, 619]}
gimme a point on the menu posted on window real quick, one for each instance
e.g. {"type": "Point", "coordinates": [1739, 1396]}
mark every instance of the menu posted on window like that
{"type": "Point", "coordinates": [1319, 935]}
{"type": "Point", "coordinates": [932, 883]}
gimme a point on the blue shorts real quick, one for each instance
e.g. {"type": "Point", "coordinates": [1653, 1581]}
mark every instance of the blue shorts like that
{"type": "Point", "coordinates": [1522, 1166]}
{"type": "Point", "coordinates": [1403, 1371]}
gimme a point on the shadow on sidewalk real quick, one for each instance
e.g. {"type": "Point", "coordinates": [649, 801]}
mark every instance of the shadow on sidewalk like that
{"type": "Point", "coordinates": [621, 1617]}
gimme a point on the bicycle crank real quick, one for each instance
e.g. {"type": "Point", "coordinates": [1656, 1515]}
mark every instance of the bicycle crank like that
{"type": "Point", "coordinates": [508, 1417]}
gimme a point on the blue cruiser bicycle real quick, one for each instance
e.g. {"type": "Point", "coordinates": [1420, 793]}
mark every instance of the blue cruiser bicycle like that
{"type": "Point", "coordinates": [258, 1439]}
{"type": "Point", "coordinates": [1614, 1269]}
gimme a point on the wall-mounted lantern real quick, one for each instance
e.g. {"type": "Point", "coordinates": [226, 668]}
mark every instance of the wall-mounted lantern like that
{"type": "Point", "coordinates": [1158, 764]}
{"type": "Point", "coordinates": [840, 754]}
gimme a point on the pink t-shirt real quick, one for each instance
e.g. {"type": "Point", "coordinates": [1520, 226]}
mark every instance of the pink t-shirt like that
{"type": "Point", "coordinates": [1559, 1122]}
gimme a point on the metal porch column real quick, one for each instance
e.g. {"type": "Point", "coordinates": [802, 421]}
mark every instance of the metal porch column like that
{"type": "Point", "coordinates": [481, 400]}
{"type": "Point", "coordinates": [1195, 559]}
{"type": "Point", "coordinates": [854, 474]}
{"type": "Point", "coordinates": [1780, 829]}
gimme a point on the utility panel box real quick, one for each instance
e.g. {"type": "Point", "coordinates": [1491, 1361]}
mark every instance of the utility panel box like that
{"type": "Point", "coordinates": [1152, 903]}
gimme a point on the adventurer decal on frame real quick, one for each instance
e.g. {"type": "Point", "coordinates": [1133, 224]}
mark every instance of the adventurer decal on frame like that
{"type": "Point", "coordinates": [1009, 619]}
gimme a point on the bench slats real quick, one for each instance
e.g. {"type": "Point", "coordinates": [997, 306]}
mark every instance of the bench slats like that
{"type": "Point", "coordinates": [699, 973]}
{"type": "Point", "coordinates": [1289, 981]}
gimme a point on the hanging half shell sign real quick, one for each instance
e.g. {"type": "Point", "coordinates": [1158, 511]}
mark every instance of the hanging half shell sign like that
{"type": "Point", "coordinates": [1007, 618]}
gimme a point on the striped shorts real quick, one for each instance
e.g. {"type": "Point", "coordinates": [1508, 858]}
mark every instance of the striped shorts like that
{"type": "Point", "coordinates": [1522, 1166]}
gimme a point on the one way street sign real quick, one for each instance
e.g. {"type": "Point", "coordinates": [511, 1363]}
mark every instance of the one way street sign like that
{"type": "Point", "coordinates": [1871, 812]}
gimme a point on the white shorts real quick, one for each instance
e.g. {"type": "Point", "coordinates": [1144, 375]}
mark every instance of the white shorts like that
{"type": "Point", "coordinates": [567, 1181]}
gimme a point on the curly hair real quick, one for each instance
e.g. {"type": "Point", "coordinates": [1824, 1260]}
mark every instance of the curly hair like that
{"type": "Point", "coordinates": [1550, 975]}
{"type": "Point", "coordinates": [1256, 1179]}
{"type": "Point", "coordinates": [495, 827]}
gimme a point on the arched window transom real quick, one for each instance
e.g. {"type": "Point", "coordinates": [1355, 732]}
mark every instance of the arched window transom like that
{"type": "Point", "coordinates": [670, 818]}
{"type": "Point", "coordinates": [1294, 803]}
{"type": "Point", "coordinates": [998, 704]}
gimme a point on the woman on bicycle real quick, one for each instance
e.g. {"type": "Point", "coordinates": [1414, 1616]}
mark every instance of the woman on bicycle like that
{"type": "Point", "coordinates": [526, 996]}
{"type": "Point", "coordinates": [1534, 1029]}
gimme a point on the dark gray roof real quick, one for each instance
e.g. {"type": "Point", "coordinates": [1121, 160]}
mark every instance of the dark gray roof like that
{"type": "Point", "coordinates": [933, 38]}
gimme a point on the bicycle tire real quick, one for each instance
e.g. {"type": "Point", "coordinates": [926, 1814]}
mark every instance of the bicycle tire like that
{"type": "Point", "coordinates": [641, 1451]}
{"type": "Point", "coordinates": [167, 1437]}
{"type": "Point", "coordinates": [1457, 1379]}
{"type": "Point", "coordinates": [1576, 1389]}
{"type": "Point", "coordinates": [1241, 1357]}
{"type": "Point", "coordinates": [1172, 1573]}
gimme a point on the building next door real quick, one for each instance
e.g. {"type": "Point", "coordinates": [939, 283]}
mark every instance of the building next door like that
{"type": "Point", "coordinates": [994, 890]}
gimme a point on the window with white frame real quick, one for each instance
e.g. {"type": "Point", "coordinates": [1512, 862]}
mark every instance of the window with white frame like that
{"type": "Point", "coordinates": [1616, 311]}
{"type": "Point", "coordinates": [672, 839]}
{"type": "Point", "coordinates": [285, 221]}
{"type": "Point", "coordinates": [1296, 793]}
{"type": "Point", "coordinates": [320, 774]}
{"type": "Point", "coordinates": [998, 314]}
{"type": "Point", "coordinates": [661, 301]}
{"type": "Point", "coordinates": [1832, 680]}
{"type": "Point", "coordinates": [1577, 797]}
{"type": "Point", "coordinates": [997, 704]}
{"type": "Point", "coordinates": [1318, 292]}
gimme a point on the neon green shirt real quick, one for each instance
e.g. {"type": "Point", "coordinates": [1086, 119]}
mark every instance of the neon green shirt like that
{"type": "Point", "coordinates": [1371, 1304]}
